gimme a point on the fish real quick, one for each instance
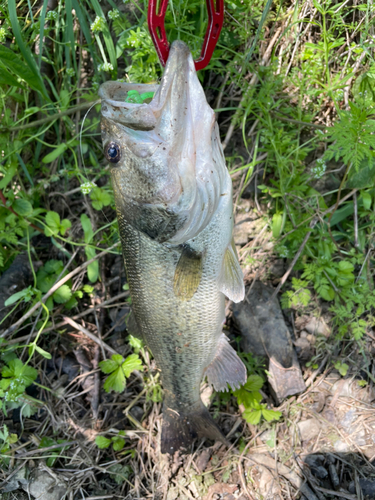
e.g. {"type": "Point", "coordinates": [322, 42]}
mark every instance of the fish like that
{"type": "Point", "coordinates": [173, 197]}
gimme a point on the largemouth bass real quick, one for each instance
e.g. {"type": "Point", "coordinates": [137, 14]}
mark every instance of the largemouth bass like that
{"type": "Point", "coordinates": [173, 199]}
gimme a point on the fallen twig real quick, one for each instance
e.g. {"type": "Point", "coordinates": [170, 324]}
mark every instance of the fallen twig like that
{"type": "Point", "coordinates": [90, 335]}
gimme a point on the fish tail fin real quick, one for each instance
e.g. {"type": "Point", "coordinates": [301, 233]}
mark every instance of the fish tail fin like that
{"type": "Point", "coordinates": [180, 430]}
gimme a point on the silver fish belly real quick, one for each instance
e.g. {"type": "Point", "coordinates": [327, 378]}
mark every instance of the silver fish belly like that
{"type": "Point", "coordinates": [174, 206]}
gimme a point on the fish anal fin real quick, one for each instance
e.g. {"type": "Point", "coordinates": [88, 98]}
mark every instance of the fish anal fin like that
{"type": "Point", "coordinates": [231, 276]}
{"type": "Point", "coordinates": [180, 430]}
{"type": "Point", "coordinates": [226, 368]}
{"type": "Point", "coordinates": [188, 274]}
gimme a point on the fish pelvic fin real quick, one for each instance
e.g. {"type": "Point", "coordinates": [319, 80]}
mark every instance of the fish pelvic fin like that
{"type": "Point", "coordinates": [231, 277]}
{"type": "Point", "coordinates": [179, 431]}
{"type": "Point", "coordinates": [188, 273]}
{"type": "Point", "coordinates": [226, 368]}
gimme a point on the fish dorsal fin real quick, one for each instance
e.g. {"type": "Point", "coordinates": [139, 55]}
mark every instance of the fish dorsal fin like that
{"type": "Point", "coordinates": [226, 368]}
{"type": "Point", "coordinates": [231, 276]}
{"type": "Point", "coordinates": [188, 273]}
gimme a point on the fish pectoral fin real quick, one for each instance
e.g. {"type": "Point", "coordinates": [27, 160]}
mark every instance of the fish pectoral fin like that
{"type": "Point", "coordinates": [226, 368]}
{"type": "Point", "coordinates": [188, 274]}
{"type": "Point", "coordinates": [231, 276]}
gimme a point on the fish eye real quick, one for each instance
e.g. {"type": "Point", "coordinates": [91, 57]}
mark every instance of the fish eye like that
{"type": "Point", "coordinates": [113, 152]}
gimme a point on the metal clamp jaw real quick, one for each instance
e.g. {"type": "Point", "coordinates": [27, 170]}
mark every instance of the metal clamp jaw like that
{"type": "Point", "coordinates": [155, 20]}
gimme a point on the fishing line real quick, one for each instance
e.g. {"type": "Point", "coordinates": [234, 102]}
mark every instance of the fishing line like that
{"type": "Point", "coordinates": [80, 134]}
{"type": "Point", "coordinates": [80, 147]}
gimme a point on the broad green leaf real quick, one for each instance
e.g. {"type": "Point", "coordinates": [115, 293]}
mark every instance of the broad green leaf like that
{"type": "Point", "coordinates": [99, 198]}
{"type": "Point", "coordinates": [110, 365]}
{"type": "Point", "coordinates": [54, 266]}
{"type": "Point", "coordinates": [132, 363]}
{"type": "Point", "coordinates": [22, 207]}
{"type": "Point", "coordinates": [326, 292]}
{"type": "Point", "coordinates": [364, 178]}
{"type": "Point", "coordinates": [53, 223]}
{"type": "Point", "coordinates": [252, 416]}
{"type": "Point", "coordinates": [55, 153]}
{"type": "Point", "coordinates": [102, 442]}
{"type": "Point", "coordinates": [115, 381]}
{"type": "Point", "coordinates": [93, 268]}
{"type": "Point", "coordinates": [7, 79]}
{"type": "Point", "coordinates": [277, 221]}
{"type": "Point", "coordinates": [46, 441]}
{"type": "Point", "coordinates": [12, 169]}
{"type": "Point", "coordinates": [44, 353]}
{"type": "Point", "coordinates": [28, 375]}
{"type": "Point", "coordinates": [270, 415]}
{"type": "Point", "coordinates": [28, 410]}
{"type": "Point", "coordinates": [345, 266]}
{"type": "Point", "coordinates": [62, 294]}
{"type": "Point", "coordinates": [136, 343]}
{"type": "Point", "coordinates": [13, 63]}
{"type": "Point", "coordinates": [15, 297]}
{"type": "Point", "coordinates": [64, 226]}
{"type": "Point", "coordinates": [366, 199]}
{"type": "Point", "coordinates": [342, 213]}
{"type": "Point", "coordinates": [118, 443]}
{"type": "Point", "coordinates": [254, 383]}
{"type": "Point", "coordinates": [87, 228]}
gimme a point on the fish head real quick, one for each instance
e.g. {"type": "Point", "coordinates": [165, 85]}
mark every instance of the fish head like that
{"type": "Point", "coordinates": [160, 152]}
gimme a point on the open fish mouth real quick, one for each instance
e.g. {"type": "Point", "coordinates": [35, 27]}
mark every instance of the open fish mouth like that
{"type": "Point", "coordinates": [167, 167]}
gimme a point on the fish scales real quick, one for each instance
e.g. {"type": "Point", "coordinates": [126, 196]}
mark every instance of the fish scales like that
{"type": "Point", "coordinates": [174, 206]}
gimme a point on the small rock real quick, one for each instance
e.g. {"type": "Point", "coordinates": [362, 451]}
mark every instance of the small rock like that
{"type": "Point", "coordinates": [315, 464]}
{"type": "Point", "coordinates": [308, 429]}
{"type": "Point", "coordinates": [46, 486]}
{"type": "Point", "coordinates": [367, 487]}
{"type": "Point", "coordinates": [341, 446]}
{"type": "Point", "coordinates": [311, 339]}
{"type": "Point", "coordinates": [246, 228]}
{"type": "Point", "coordinates": [268, 485]}
{"type": "Point", "coordinates": [317, 326]}
{"type": "Point", "coordinates": [267, 435]}
{"type": "Point", "coordinates": [203, 459]}
{"type": "Point", "coordinates": [349, 418]}
{"type": "Point", "coordinates": [303, 348]}
{"type": "Point", "coordinates": [278, 268]}
{"type": "Point", "coordinates": [137, 412]}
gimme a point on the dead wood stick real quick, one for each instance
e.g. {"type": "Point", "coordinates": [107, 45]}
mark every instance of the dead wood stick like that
{"type": "Point", "coordinates": [53, 289]}
{"type": "Point", "coordinates": [96, 389]}
{"type": "Point", "coordinates": [90, 335]}
{"type": "Point", "coordinates": [47, 448]}
{"type": "Point", "coordinates": [336, 493]}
